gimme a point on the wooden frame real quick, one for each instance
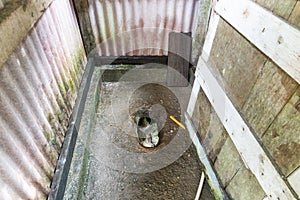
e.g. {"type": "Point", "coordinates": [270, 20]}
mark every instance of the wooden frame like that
{"type": "Point", "coordinates": [276, 39]}
{"type": "Point", "coordinates": [210, 36]}
{"type": "Point", "coordinates": [252, 153]}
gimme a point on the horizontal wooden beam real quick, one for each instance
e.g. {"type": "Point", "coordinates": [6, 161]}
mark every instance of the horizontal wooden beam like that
{"type": "Point", "coordinates": [273, 36]}
{"type": "Point", "coordinates": [242, 136]}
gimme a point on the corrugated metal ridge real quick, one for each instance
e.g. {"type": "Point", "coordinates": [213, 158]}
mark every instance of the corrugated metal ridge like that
{"type": "Point", "coordinates": [127, 27]}
{"type": "Point", "coordinates": [38, 85]}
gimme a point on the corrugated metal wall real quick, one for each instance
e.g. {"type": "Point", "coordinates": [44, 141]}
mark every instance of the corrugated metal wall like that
{"type": "Point", "coordinates": [130, 27]}
{"type": "Point", "coordinates": [38, 86]}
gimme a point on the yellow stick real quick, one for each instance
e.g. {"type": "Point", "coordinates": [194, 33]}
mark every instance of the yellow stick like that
{"type": "Point", "coordinates": [177, 122]}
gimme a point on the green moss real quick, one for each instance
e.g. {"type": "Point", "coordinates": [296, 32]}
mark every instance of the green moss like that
{"type": "Point", "coordinates": [213, 190]}
{"type": "Point", "coordinates": [60, 102]}
{"type": "Point", "coordinates": [78, 60]}
{"type": "Point", "coordinates": [66, 85]}
{"type": "Point", "coordinates": [206, 7]}
{"type": "Point", "coordinates": [72, 86]}
{"type": "Point", "coordinates": [63, 91]}
{"type": "Point", "coordinates": [52, 134]}
{"type": "Point", "coordinates": [52, 148]}
{"type": "Point", "coordinates": [76, 69]}
{"type": "Point", "coordinates": [84, 174]}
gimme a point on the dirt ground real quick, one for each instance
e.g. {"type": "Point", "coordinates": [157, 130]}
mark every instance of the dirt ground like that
{"type": "Point", "coordinates": [119, 168]}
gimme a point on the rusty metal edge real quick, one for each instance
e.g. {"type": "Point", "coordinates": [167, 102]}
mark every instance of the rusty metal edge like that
{"type": "Point", "coordinates": [64, 161]}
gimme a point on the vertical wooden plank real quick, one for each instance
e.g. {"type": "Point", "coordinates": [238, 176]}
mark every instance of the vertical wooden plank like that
{"type": "Point", "coordinates": [193, 98]}
{"type": "Point", "coordinates": [214, 22]}
{"type": "Point", "coordinates": [200, 30]}
{"type": "Point", "coordinates": [179, 53]}
{"type": "Point", "coordinates": [210, 36]}
{"type": "Point", "coordinates": [212, 29]}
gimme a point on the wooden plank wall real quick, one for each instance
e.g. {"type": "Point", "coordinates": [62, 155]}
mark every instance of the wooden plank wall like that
{"type": "Point", "coordinates": [263, 91]}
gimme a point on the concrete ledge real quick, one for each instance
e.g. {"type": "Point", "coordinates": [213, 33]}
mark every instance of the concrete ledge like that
{"type": "Point", "coordinates": [16, 20]}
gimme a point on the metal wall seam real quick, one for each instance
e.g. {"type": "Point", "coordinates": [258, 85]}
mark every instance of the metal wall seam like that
{"type": "Point", "coordinates": [130, 27]}
{"type": "Point", "coordinates": [38, 86]}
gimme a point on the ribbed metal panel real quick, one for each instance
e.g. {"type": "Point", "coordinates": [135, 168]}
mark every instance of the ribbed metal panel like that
{"type": "Point", "coordinates": [130, 27]}
{"type": "Point", "coordinates": [38, 86]}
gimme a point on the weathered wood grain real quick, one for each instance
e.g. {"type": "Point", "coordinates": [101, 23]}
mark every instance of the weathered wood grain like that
{"type": "Point", "coordinates": [200, 30]}
{"type": "Point", "coordinates": [273, 36]}
{"type": "Point", "coordinates": [215, 137]}
{"type": "Point", "coordinates": [269, 95]}
{"type": "Point", "coordinates": [245, 186]}
{"type": "Point", "coordinates": [238, 62]}
{"type": "Point", "coordinates": [284, 8]}
{"type": "Point", "coordinates": [246, 143]}
{"type": "Point", "coordinates": [282, 139]}
{"type": "Point", "coordinates": [295, 16]}
{"type": "Point", "coordinates": [210, 37]}
{"type": "Point", "coordinates": [202, 112]}
{"type": "Point", "coordinates": [207, 46]}
{"type": "Point", "coordinates": [281, 8]}
{"type": "Point", "coordinates": [268, 4]}
{"type": "Point", "coordinates": [228, 162]}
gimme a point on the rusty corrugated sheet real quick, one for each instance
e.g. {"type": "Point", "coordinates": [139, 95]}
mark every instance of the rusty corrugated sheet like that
{"type": "Point", "coordinates": [38, 85]}
{"type": "Point", "coordinates": [130, 27]}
